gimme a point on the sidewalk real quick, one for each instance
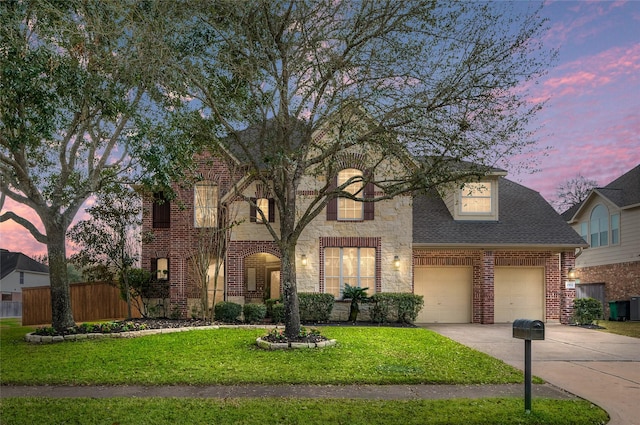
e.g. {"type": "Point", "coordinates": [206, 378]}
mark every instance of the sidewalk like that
{"type": "Point", "coordinates": [380, 392]}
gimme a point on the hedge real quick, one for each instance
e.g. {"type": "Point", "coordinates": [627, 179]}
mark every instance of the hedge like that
{"type": "Point", "coordinates": [254, 313]}
{"type": "Point", "coordinates": [227, 312]}
{"type": "Point", "coordinates": [315, 307]}
{"type": "Point", "coordinates": [401, 307]}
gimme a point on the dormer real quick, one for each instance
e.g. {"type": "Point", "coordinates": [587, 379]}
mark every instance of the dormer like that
{"type": "Point", "coordinates": [475, 200]}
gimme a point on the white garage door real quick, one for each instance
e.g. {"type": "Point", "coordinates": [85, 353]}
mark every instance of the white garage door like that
{"type": "Point", "coordinates": [447, 294]}
{"type": "Point", "coordinates": [519, 294]}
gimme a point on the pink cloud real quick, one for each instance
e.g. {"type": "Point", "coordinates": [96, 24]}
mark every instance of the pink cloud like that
{"type": "Point", "coordinates": [14, 237]}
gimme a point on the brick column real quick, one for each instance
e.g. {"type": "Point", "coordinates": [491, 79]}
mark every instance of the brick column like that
{"type": "Point", "coordinates": [487, 288]}
{"type": "Point", "coordinates": [567, 261]}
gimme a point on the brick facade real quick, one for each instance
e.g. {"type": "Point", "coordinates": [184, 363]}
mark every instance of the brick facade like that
{"type": "Point", "coordinates": [621, 281]}
{"type": "Point", "coordinates": [558, 299]}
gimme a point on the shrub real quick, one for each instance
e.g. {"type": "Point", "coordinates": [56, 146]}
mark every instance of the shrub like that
{"type": "Point", "coordinates": [315, 307]}
{"type": "Point", "coordinates": [402, 307]}
{"type": "Point", "coordinates": [270, 303]}
{"type": "Point", "coordinates": [227, 312]}
{"type": "Point", "coordinates": [586, 310]}
{"type": "Point", "coordinates": [254, 313]}
{"type": "Point", "coordinates": [277, 313]}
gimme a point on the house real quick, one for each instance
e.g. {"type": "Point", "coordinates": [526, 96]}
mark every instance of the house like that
{"type": "Point", "coordinates": [19, 271]}
{"type": "Point", "coordinates": [609, 221]}
{"type": "Point", "coordinates": [489, 251]}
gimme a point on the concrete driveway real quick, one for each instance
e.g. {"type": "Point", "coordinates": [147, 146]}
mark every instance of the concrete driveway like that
{"type": "Point", "coordinates": [600, 367]}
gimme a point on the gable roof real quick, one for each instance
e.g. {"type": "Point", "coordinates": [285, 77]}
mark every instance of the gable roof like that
{"type": "Point", "coordinates": [17, 261]}
{"type": "Point", "coordinates": [525, 220]}
{"type": "Point", "coordinates": [624, 192]}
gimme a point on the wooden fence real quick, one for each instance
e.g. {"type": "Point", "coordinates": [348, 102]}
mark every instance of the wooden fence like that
{"type": "Point", "coordinates": [89, 302]}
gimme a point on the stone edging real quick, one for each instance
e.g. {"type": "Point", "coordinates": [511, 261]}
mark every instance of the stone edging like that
{"type": "Point", "coordinates": [46, 339]}
{"type": "Point", "coordinates": [286, 345]}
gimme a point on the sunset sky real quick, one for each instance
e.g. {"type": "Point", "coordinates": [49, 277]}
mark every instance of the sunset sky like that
{"type": "Point", "coordinates": [592, 120]}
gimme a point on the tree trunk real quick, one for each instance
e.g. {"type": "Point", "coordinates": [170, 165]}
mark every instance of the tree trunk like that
{"type": "Point", "coordinates": [61, 313]}
{"type": "Point", "coordinates": [290, 293]}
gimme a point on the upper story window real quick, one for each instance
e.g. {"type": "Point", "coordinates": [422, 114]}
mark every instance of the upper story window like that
{"type": "Point", "coordinates": [351, 209]}
{"type": "Point", "coordinates": [347, 209]}
{"type": "Point", "coordinates": [21, 278]}
{"type": "Point", "coordinates": [475, 198]}
{"type": "Point", "coordinates": [604, 229]}
{"type": "Point", "coordinates": [266, 205]}
{"type": "Point", "coordinates": [205, 205]}
{"type": "Point", "coordinates": [475, 201]}
{"type": "Point", "coordinates": [161, 214]}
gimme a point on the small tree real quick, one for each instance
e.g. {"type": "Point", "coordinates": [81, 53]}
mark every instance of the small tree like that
{"type": "Point", "coordinates": [356, 295]}
{"type": "Point", "coordinates": [110, 240]}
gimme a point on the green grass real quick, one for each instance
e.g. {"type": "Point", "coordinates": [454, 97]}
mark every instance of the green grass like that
{"type": "Point", "coordinates": [140, 411]}
{"type": "Point", "coordinates": [230, 356]}
{"type": "Point", "coordinates": [631, 329]}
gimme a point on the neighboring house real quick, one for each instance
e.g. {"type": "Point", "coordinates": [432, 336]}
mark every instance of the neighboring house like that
{"type": "Point", "coordinates": [609, 221]}
{"type": "Point", "coordinates": [19, 271]}
{"type": "Point", "coordinates": [492, 251]}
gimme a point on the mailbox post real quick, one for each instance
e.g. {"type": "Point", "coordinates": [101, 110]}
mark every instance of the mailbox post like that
{"type": "Point", "coordinates": [528, 330]}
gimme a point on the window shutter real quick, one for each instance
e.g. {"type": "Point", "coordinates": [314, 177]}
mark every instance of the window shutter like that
{"type": "Point", "coordinates": [369, 193]}
{"type": "Point", "coordinates": [272, 210]}
{"type": "Point", "coordinates": [252, 210]}
{"type": "Point", "coordinates": [332, 206]}
{"type": "Point", "coordinates": [154, 268]}
{"type": "Point", "coordinates": [161, 214]}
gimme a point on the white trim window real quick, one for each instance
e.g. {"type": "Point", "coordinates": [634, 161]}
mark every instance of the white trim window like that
{"type": "Point", "coordinates": [476, 198]}
{"type": "Point", "coordinates": [205, 205]}
{"type": "Point", "coordinates": [353, 266]}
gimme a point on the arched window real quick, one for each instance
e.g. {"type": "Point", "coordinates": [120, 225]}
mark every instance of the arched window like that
{"type": "Point", "coordinates": [599, 226]}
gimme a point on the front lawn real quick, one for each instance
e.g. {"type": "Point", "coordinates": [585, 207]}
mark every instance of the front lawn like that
{"type": "Point", "coordinates": [363, 355]}
{"type": "Point", "coordinates": [631, 329]}
{"type": "Point", "coordinates": [229, 356]}
{"type": "Point", "coordinates": [27, 411]}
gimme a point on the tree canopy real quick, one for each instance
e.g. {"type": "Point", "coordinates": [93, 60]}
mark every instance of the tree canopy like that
{"type": "Point", "coordinates": [76, 80]}
{"type": "Point", "coordinates": [287, 87]}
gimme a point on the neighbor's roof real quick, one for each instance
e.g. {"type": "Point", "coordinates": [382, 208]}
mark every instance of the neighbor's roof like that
{"type": "Point", "coordinates": [624, 192]}
{"type": "Point", "coordinates": [525, 220]}
{"type": "Point", "coordinates": [17, 261]}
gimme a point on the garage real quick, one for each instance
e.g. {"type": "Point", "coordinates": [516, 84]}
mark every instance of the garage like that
{"type": "Point", "coordinates": [519, 294]}
{"type": "Point", "coordinates": [447, 294]}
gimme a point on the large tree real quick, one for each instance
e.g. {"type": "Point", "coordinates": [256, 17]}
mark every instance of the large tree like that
{"type": "Point", "coordinates": [75, 79]}
{"type": "Point", "coordinates": [573, 192]}
{"type": "Point", "coordinates": [422, 83]}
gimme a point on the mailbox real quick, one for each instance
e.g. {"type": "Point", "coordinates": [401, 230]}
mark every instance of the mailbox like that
{"type": "Point", "coordinates": [528, 329]}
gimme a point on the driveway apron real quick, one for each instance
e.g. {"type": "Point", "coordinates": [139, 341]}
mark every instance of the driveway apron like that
{"type": "Point", "coordinates": [598, 366]}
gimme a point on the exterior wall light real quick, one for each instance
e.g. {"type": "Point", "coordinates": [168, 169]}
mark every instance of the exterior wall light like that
{"type": "Point", "coordinates": [572, 274]}
{"type": "Point", "coordinates": [396, 262]}
{"type": "Point", "coordinates": [304, 260]}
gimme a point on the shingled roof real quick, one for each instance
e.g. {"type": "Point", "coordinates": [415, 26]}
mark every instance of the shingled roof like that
{"type": "Point", "coordinates": [17, 261]}
{"type": "Point", "coordinates": [525, 220]}
{"type": "Point", "coordinates": [624, 192]}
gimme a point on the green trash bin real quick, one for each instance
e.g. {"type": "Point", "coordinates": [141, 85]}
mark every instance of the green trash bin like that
{"type": "Point", "coordinates": [613, 310]}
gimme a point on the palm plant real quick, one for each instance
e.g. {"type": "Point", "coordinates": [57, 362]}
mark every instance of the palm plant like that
{"type": "Point", "coordinates": [356, 295]}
